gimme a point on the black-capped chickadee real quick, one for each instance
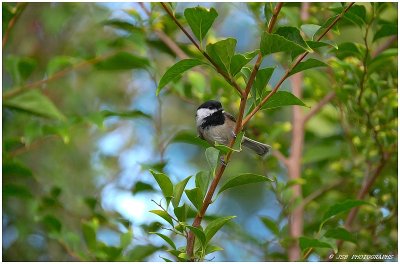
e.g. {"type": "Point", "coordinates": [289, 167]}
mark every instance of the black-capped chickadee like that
{"type": "Point", "coordinates": [216, 125]}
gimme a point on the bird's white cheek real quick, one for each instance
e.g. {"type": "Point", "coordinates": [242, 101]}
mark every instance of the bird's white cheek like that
{"type": "Point", "coordinates": [203, 113]}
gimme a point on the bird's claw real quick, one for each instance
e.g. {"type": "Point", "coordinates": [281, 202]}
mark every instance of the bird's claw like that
{"type": "Point", "coordinates": [234, 134]}
{"type": "Point", "coordinates": [223, 162]}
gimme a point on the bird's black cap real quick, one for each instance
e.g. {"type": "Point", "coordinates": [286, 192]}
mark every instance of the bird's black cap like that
{"type": "Point", "coordinates": [212, 104]}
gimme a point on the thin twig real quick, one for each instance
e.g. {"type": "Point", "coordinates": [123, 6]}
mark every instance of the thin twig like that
{"type": "Point", "coordinates": [18, 11]}
{"type": "Point", "coordinates": [316, 108]}
{"type": "Point", "coordinates": [286, 75]}
{"type": "Point", "coordinates": [229, 79]}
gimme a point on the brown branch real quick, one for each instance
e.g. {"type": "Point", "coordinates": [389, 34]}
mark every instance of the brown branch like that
{"type": "Point", "coordinates": [280, 156]}
{"type": "Point", "coordinates": [229, 79]}
{"type": "Point", "coordinates": [298, 60]}
{"type": "Point", "coordinates": [238, 128]}
{"type": "Point", "coordinates": [19, 9]}
{"type": "Point", "coordinates": [316, 108]}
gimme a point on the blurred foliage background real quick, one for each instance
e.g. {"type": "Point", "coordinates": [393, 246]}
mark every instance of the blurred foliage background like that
{"type": "Point", "coordinates": [82, 126]}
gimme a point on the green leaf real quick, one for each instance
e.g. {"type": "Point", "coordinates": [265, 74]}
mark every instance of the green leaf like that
{"type": "Point", "coordinates": [293, 34]}
{"type": "Point", "coordinates": [306, 242]}
{"type": "Point", "coordinates": [213, 227]}
{"type": "Point", "coordinates": [52, 224]}
{"type": "Point", "coordinates": [178, 190]}
{"type": "Point", "coordinates": [89, 230]}
{"type": "Point", "coordinates": [212, 248]}
{"type": "Point", "coordinates": [15, 190]}
{"type": "Point", "coordinates": [127, 114]}
{"type": "Point", "coordinates": [243, 179]}
{"type": "Point", "coordinates": [212, 155]}
{"type": "Point", "coordinates": [195, 197]}
{"type": "Point", "coordinates": [202, 181]}
{"type": "Point", "coordinates": [199, 234]}
{"type": "Point", "coordinates": [357, 15]}
{"type": "Point", "coordinates": [308, 64]}
{"type": "Point", "coordinates": [34, 103]}
{"type": "Point", "coordinates": [310, 30]}
{"type": "Point", "coordinates": [125, 239]}
{"type": "Point", "coordinates": [340, 233]}
{"type": "Point", "coordinates": [142, 187]}
{"type": "Point", "coordinates": [166, 260]}
{"type": "Point", "coordinates": [260, 83]}
{"type": "Point", "coordinates": [270, 224]}
{"type": "Point", "coordinates": [165, 184]}
{"type": "Point", "coordinates": [123, 61]}
{"type": "Point", "coordinates": [20, 68]}
{"type": "Point", "coordinates": [181, 212]}
{"type": "Point", "coordinates": [190, 138]}
{"type": "Point", "coordinates": [200, 20]}
{"type": "Point", "coordinates": [222, 53]}
{"type": "Point", "coordinates": [163, 215]}
{"type": "Point", "coordinates": [272, 43]}
{"type": "Point", "coordinates": [385, 31]}
{"type": "Point", "coordinates": [240, 60]}
{"type": "Point", "coordinates": [314, 45]}
{"type": "Point", "coordinates": [176, 70]}
{"type": "Point", "coordinates": [123, 25]}
{"type": "Point", "coordinates": [338, 208]}
{"type": "Point", "coordinates": [166, 239]}
{"type": "Point", "coordinates": [13, 169]}
{"type": "Point", "coordinates": [282, 98]}
{"type": "Point", "coordinates": [59, 63]}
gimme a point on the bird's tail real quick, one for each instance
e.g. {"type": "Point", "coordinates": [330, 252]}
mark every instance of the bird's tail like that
{"type": "Point", "coordinates": [259, 148]}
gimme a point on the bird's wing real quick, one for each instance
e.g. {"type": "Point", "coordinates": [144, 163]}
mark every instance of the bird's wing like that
{"type": "Point", "coordinates": [200, 134]}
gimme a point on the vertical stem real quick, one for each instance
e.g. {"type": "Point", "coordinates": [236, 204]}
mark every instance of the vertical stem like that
{"type": "Point", "coordinates": [294, 169]}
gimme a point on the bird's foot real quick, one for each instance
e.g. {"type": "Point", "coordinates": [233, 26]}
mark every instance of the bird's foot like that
{"type": "Point", "coordinates": [223, 162]}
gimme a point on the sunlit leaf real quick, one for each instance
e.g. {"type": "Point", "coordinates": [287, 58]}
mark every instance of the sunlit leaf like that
{"type": "Point", "coordinates": [164, 182]}
{"type": "Point", "coordinates": [202, 181]}
{"type": "Point", "coordinates": [222, 53]}
{"type": "Point", "coordinates": [181, 212]}
{"type": "Point", "coordinates": [178, 190]}
{"type": "Point", "coordinates": [308, 64]}
{"type": "Point", "coordinates": [293, 34]}
{"type": "Point", "coordinates": [59, 63]}
{"type": "Point", "coordinates": [213, 227]}
{"type": "Point", "coordinates": [212, 248]}
{"type": "Point", "coordinates": [34, 102]}
{"type": "Point", "coordinates": [212, 155]}
{"type": "Point", "coordinates": [175, 71]}
{"type": "Point", "coordinates": [271, 43]}
{"type": "Point", "coordinates": [340, 233]}
{"type": "Point", "coordinates": [240, 60]}
{"type": "Point", "coordinates": [282, 98]}
{"type": "Point", "coordinates": [310, 30]}
{"type": "Point", "coordinates": [166, 239]}
{"type": "Point", "coordinates": [195, 197]}
{"type": "Point", "coordinates": [89, 230]}
{"type": "Point", "coordinates": [199, 234]}
{"type": "Point", "coordinates": [163, 215]}
{"type": "Point", "coordinates": [243, 179]}
{"type": "Point", "coordinates": [200, 20]}
{"type": "Point", "coordinates": [306, 242]}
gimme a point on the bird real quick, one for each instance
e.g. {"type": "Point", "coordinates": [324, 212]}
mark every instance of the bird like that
{"type": "Point", "coordinates": [214, 124]}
